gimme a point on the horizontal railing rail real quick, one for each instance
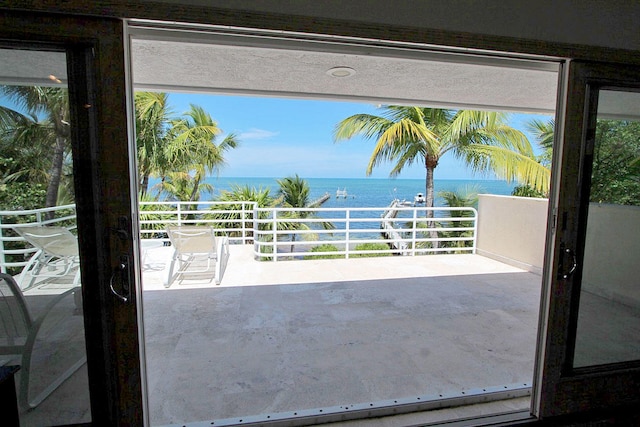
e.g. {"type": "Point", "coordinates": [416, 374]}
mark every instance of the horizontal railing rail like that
{"type": "Point", "coordinates": [282, 233]}
{"type": "Point", "coordinates": [285, 233]}
{"type": "Point", "coordinates": [231, 219]}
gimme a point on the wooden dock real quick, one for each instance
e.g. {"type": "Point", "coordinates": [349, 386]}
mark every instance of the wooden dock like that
{"type": "Point", "coordinates": [320, 201]}
{"type": "Point", "coordinates": [389, 232]}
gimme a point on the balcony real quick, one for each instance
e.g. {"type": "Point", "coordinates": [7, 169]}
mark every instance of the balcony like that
{"type": "Point", "coordinates": [351, 334]}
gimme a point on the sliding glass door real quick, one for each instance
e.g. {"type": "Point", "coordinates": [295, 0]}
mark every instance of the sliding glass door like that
{"type": "Point", "coordinates": [592, 344]}
{"type": "Point", "coordinates": [67, 299]}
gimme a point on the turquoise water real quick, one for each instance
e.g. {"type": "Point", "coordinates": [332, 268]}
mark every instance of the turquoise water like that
{"type": "Point", "coordinates": [363, 193]}
{"type": "Point", "coordinates": [367, 192]}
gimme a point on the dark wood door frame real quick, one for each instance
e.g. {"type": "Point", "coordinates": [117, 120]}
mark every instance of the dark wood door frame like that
{"type": "Point", "coordinates": [96, 71]}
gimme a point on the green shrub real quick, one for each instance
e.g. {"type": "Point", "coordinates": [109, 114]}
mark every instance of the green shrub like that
{"type": "Point", "coordinates": [324, 248]}
{"type": "Point", "coordinates": [370, 247]}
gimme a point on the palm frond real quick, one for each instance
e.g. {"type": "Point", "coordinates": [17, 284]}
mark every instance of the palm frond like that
{"type": "Point", "coordinates": [509, 165]}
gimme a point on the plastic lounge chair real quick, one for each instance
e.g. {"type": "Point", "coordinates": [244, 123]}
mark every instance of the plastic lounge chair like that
{"type": "Point", "coordinates": [18, 333]}
{"type": "Point", "coordinates": [196, 245]}
{"type": "Point", "coordinates": [57, 254]}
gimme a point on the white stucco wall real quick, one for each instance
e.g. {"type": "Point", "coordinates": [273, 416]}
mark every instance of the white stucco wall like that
{"type": "Point", "coordinates": [512, 230]}
{"type": "Point", "coordinates": [611, 266]}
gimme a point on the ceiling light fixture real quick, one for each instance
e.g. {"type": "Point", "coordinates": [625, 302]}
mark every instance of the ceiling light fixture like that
{"type": "Point", "coordinates": [54, 79]}
{"type": "Point", "coordinates": [341, 72]}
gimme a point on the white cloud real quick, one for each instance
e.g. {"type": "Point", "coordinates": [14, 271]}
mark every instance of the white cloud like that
{"type": "Point", "coordinates": [256, 134]}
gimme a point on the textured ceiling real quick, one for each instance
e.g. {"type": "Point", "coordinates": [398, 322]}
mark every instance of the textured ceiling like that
{"type": "Point", "coordinates": [429, 79]}
{"type": "Point", "coordinates": [445, 81]}
{"type": "Point", "coordinates": [31, 67]}
{"type": "Point", "coordinates": [176, 61]}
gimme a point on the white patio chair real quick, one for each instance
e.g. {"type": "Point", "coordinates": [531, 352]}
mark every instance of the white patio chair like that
{"type": "Point", "coordinates": [197, 250]}
{"type": "Point", "coordinates": [18, 334]}
{"type": "Point", "coordinates": [57, 254]}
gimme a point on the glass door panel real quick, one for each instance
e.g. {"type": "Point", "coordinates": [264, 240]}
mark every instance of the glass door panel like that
{"type": "Point", "coordinates": [589, 347]}
{"type": "Point", "coordinates": [279, 340]}
{"type": "Point", "coordinates": [41, 307]}
{"type": "Point", "coordinates": [608, 329]}
{"type": "Point", "coordinates": [85, 58]}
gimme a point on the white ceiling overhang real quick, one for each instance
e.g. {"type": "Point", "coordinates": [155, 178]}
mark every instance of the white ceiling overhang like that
{"type": "Point", "coordinates": [250, 64]}
{"type": "Point", "coordinates": [285, 65]}
{"type": "Point", "coordinates": [192, 62]}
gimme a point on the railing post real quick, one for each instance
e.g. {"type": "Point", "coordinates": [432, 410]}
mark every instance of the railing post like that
{"type": "Point", "coordinates": [2, 257]}
{"type": "Point", "coordinates": [414, 232]}
{"type": "Point", "coordinates": [256, 236]}
{"type": "Point", "coordinates": [179, 211]}
{"type": "Point", "coordinates": [274, 230]}
{"type": "Point", "coordinates": [475, 230]}
{"type": "Point", "coordinates": [244, 224]}
{"type": "Point", "coordinates": [347, 228]}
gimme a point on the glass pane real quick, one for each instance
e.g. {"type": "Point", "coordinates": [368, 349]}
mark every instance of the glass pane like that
{"type": "Point", "coordinates": [609, 313]}
{"type": "Point", "coordinates": [41, 317]}
{"type": "Point", "coordinates": [308, 319]}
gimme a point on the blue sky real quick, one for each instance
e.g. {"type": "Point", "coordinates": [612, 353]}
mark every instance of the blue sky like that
{"type": "Point", "coordinates": [282, 137]}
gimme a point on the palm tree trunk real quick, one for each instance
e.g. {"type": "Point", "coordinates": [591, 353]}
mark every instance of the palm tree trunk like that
{"type": "Point", "coordinates": [194, 192]}
{"type": "Point", "coordinates": [55, 175]}
{"type": "Point", "coordinates": [293, 239]}
{"type": "Point", "coordinates": [429, 195]}
{"type": "Point", "coordinates": [430, 164]}
{"type": "Point", "coordinates": [144, 185]}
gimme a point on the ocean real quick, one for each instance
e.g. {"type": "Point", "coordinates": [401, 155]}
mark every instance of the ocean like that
{"type": "Point", "coordinates": [366, 192]}
{"type": "Point", "coordinates": [361, 193]}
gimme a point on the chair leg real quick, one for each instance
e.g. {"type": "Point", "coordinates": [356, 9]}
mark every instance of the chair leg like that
{"type": "Point", "coordinates": [30, 271]}
{"type": "Point", "coordinates": [25, 401]}
{"type": "Point", "coordinates": [170, 277]}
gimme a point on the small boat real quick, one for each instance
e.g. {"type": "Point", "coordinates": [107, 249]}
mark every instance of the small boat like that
{"type": "Point", "coordinates": [419, 199]}
{"type": "Point", "coordinates": [341, 193]}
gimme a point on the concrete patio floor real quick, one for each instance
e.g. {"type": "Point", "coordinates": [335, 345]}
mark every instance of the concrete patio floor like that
{"type": "Point", "coordinates": [295, 335]}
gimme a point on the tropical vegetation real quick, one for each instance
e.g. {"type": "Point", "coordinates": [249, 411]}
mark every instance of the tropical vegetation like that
{"type": "Point", "coordinates": [325, 247]}
{"type": "Point", "coordinates": [237, 209]}
{"type": "Point", "coordinates": [180, 150]}
{"type": "Point", "coordinates": [294, 193]}
{"type": "Point", "coordinates": [406, 135]}
{"type": "Point", "coordinates": [615, 175]}
{"type": "Point", "coordinates": [35, 147]}
{"type": "Point", "coordinates": [615, 170]}
{"type": "Point", "coordinates": [543, 133]}
{"type": "Point", "coordinates": [371, 247]}
{"type": "Point", "coordinates": [457, 228]}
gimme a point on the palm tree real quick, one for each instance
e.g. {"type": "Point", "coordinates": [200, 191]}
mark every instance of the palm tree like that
{"type": "Point", "coordinates": [181, 186]}
{"type": "Point", "coordinates": [193, 146]}
{"type": "Point", "coordinates": [294, 193]}
{"type": "Point", "coordinates": [169, 145]}
{"type": "Point", "coordinates": [230, 214]}
{"type": "Point", "coordinates": [406, 135]}
{"type": "Point", "coordinates": [153, 117]}
{"type": "Point", "coordinates": [467, 198]}
{"type": "Point", "coordinates": [53, 131]}
{"type": "Point", "coordinates": [543, 133]}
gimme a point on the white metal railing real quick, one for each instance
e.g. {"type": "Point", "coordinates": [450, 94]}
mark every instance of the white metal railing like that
{"type": "Point", "coordinates": [232, 219]}
{"type": "Point", "coordinates": [278, 233]}
{"type": "Point", "coordinates": [286, 232]}
{"type": "Point", "coordinates": [59, 215]}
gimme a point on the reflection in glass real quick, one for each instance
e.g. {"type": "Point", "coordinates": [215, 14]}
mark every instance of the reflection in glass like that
{"type": "Point", "coordinates": [609, 314]}
{"type": "Point", "coordinates": [41, 317]}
